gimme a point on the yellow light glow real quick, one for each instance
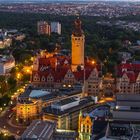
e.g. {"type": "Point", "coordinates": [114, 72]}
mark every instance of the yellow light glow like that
{"type": "Point", "coordinates": [32, 58]}
{"type": "Point", "coordinates": [64, 85]}
{"type": "Point", "coordinates": [18, 75]}
{"type": "Point", "coordinates": [5, 134]}
{"type": "Point", "coordinates": [27, 70]}
{"type": "Point", "coordinates": [69, 85]}
{"type": "Point", "coordinates": [93, 62]}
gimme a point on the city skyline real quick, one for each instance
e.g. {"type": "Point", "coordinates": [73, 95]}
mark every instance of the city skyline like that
{"type": "Point", "coordinates": [70, 69]}
{"type": "Point", "coordinates": [67, 0]}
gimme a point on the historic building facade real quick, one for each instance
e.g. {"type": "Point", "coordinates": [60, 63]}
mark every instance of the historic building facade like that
{"type": "Point", "coordinates": [128, 80]}
{"type": "Point", "coordinates": [93, 84]}
{"type": "Point", "coordinates": [78, 41]}
{"type": "Point", "coordinates": [55, 71]}
{"type": "Point", "coordinates": [84, 127]}
{"type": "Point", "coordinates": [27, 111]}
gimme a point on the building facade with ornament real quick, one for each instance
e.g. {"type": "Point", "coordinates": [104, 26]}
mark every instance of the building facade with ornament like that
{"type": "Point", "coordinates": [56, 71]}
{"type": "Point", "coordinates": [128, 78]}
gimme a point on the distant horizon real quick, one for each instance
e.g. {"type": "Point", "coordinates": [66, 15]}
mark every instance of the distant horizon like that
{"type": "Point", "coordinates": [8, 1]}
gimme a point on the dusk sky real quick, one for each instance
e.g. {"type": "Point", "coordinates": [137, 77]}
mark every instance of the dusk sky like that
{"type": "Point", "coordinates": [64, 0]}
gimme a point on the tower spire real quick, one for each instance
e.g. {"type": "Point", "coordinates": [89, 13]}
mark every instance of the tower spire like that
{"type": "Point", "coordinates": [77, 27]}
{"type": "Point", "coordinates": [78, 41]}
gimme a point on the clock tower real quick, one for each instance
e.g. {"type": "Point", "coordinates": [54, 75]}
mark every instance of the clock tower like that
{"type": "Point", "coordinates": [78, 41]}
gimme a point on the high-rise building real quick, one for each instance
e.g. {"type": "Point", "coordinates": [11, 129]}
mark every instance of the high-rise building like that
{"type": "Point", "coordinates": [43, 28]}
{"type": "Point", "coordinates": [56, 27]}
{"type": "Point", "coordinates": [78, 41]}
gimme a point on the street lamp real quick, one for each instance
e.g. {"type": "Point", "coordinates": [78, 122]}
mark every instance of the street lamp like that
{"type": "Point", "coordinates": [93, 62]}
{"type": "Point", "coordinates": [18, 75]}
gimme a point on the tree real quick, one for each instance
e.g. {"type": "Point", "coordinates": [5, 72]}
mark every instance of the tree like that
{"type": "Point", "coordinates": [11, 82]}
{"type": "Point", "coordinates": [25, 77]}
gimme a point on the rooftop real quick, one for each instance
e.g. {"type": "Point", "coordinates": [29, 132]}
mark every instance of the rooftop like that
{"type": "Point", "coordinates": [6, 59]}
{"type": "Point", "coordinates": [87, 101]}
{"type": "Point", "coordinates": [64, 134]}
{"type": "Point", "coordinates": [38, 93]}
{"type": "Point", "coordinates": [45, 95]}
{"type": "Point", "coordinates": [65, 101]}
{"type": "Point", "coordinates": [128, 97]}
{"type": "Point", "coordinates": [41, 130]}
{"type": "Point", "coordinates": [123, 130]}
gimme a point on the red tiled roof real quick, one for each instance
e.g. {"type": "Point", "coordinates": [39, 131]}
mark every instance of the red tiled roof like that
{"type": "Point", "coordinates": [46, 68]}
{"type": "Point", "coordinates": [128, 66]}
{"type": "Point", "coordinates": [79, 75]}
{"type": "Point", "coordinates": [132, 77]}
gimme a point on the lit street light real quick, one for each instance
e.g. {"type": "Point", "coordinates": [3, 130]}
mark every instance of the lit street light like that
{"type": "Point", "coordinates": [93, 62]}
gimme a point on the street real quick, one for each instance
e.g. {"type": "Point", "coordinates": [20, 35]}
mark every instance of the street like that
{"type": "Point", "coordinates": [7, 127]}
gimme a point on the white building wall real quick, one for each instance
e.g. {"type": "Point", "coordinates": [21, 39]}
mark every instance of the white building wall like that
{"type": "Point", "coordinates": [56, 27]}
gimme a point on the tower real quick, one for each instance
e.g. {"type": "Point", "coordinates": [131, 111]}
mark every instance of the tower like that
{"type": "Point", "coordinates": [84, 127]}
{"type": "Point", "coordinates": [78, 41]}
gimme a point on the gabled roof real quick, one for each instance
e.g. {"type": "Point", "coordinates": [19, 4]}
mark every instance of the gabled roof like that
{"type": "Point", "coordinates": [79, 75]}
{"type": "Point", "coordinates": [131, 76]}
{"type": "Point", "coordinates": [58, 67]}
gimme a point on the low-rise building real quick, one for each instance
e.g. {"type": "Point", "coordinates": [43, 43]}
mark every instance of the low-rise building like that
{"type": "Point", "coordinates": [6, 42]}
{"type": "Point", "coordinates": [85, 127]}
{"type": "Point", "coordinates": [65, 112]}
{"type": "Point", "coordinates": [108, 86]}
{"type": "Point", "coordinates": [39, 130]}
{"type": "Point", "coordinates": [6, 64]}
{"type": "Point", "coordinates": [30, 103]}
{"type": "Point", "coordinates": [93, 83]}
{"type": "Point", "coordinates": [46, 130]}
{"type": "Point", "coordinates": [125, 120]}
{"type": "Point", "coordinates": [127, 107]}
{"type": "Point", "coordinates": [128, 78]}
{"type": "Point", "coordinates": [28, 111]}
{"type": "Point", "coordinates": [55, 72]}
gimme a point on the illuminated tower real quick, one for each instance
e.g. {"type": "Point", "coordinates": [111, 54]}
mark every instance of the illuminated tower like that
{"type": "Point", "coordinates": [78, 41]}
{"type": "Point", "coordinates": [84, 127]}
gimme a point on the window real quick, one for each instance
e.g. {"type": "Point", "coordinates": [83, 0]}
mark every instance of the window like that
{"type": "Point", "coordinates": [89, 86]}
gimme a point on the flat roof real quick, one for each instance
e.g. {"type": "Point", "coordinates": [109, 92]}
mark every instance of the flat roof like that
{"type": "Point", "coordinates": [38, 93]}
{"type": "Point", "coordinates": [41, 130]}
{"type": "Point", "coordinates": [52, 95]}
{"type": "Point", "coordinates": [65, 101]}
{"type": "Point", "coordinates": [87, 101]}
{"type": "Point", "coordinates": [65, 135]}
{"type": "Point", "coordinates": [128, 97]}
